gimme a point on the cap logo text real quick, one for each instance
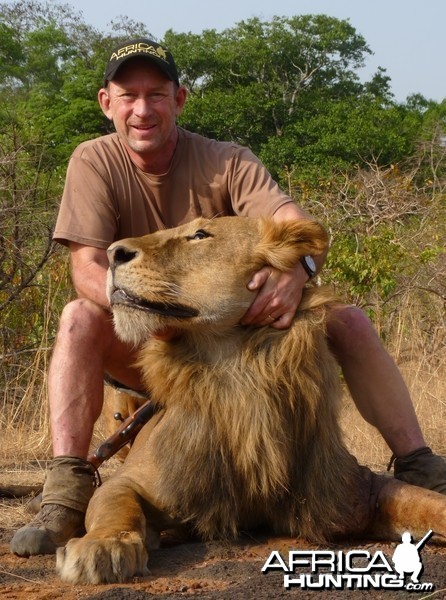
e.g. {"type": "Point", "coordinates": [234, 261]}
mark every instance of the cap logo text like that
{"type": "Point", "coordinates": [140, 48]}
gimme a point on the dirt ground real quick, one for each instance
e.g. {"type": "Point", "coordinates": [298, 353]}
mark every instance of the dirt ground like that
{"type": "Point", "coordinates": [216, 570]}
{"type": "Point", "coordinates": [212, 570]}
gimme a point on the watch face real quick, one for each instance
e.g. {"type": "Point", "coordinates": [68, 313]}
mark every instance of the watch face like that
{"type": "Point", "coordinates": [310, 264]}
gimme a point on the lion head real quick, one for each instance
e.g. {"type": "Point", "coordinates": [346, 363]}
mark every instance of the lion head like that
{"type": "Point", "coordinates": [163, 279]}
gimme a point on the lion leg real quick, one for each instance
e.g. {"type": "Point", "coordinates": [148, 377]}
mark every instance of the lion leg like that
{"type": "Point", "coordinates": [403, 507]}
{"type": "Point", "coordinates": [114, 548]}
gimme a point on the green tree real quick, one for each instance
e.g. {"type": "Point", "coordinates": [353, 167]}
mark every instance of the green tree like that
{"type": "Point", "coordinates": [329, 137]}
{"type": "Point", "coordinates": [264, 72]}
{"type": "Point", "coordinates": [289, 88]}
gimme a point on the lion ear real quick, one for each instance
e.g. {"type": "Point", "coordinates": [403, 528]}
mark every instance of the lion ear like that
{"type": "Point", "coordinates": [283, 244]}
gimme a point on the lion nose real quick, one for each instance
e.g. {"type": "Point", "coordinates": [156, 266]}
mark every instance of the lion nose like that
{"type": "Point", "coordinates": [119, 255]}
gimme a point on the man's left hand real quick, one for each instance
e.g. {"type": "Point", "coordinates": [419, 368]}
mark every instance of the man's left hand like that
{"type": "Point", "coordinates": [279, 296]}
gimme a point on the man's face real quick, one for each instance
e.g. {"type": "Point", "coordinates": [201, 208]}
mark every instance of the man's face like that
{"type": "Point", "coordinates": [143, 105]}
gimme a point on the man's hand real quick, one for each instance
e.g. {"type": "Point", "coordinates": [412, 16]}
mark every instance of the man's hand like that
{"type": "Point", "coordinates": [280, 292]}
{"type": "Point", "coordinates": [279, 296]}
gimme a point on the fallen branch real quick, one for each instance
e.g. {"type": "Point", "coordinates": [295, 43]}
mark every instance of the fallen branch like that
{"type": "Point", "coordinates": [19, 491]}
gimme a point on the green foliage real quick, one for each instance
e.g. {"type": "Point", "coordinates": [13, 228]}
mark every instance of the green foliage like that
{"type": "Point", "coordinates": [248, 82]}
{"type": "Point", "coordinates": [27, 208]}
{"type": "Point", "coordinates": [340, 135]}
{"type": "Point", "coordinates": [388, 234]}
{"type": "Point", "coordinates": [12, 54]}
{"type": "Point", "coordinates": [366, 264]}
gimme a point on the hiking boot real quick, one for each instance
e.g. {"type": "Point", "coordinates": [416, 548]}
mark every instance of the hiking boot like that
{"type": "Point", "coordinates": [68, 487]}
{"type": "Point", "coordinates": [53, 526]}
{"type": "Point", "coordinates": [422, 468]}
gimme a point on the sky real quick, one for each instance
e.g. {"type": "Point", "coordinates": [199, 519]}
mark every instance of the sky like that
{"type": "Point", "coordinates": [407, 37]}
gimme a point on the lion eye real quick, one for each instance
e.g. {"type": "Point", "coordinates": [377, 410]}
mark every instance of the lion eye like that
{"type": "Point", "coordinates": [200, 234]}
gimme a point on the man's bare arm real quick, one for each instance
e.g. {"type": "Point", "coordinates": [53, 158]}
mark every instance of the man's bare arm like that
{"type": "Point", "coordinates": [89, 272]}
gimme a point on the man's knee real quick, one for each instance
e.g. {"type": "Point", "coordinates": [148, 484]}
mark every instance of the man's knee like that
{"type": "Point", "coordinates": [83, 319]}
{"type": "Point", "coordinates": [349, 328]}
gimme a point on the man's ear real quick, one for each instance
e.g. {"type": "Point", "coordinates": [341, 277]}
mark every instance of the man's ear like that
{"type": "Point", "coordinates": [104, 102]}
{"type": "Point", "coordinates": [283, 244]}
{"type": "Point", "coordinates": [180, 99]}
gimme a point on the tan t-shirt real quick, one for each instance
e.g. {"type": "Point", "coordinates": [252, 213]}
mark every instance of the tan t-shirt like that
{"type": "Point", "coordinates": [106, 197]}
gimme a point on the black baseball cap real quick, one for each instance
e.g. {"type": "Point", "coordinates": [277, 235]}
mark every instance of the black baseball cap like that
{"type": "Point", "coordinates": [141, 47]}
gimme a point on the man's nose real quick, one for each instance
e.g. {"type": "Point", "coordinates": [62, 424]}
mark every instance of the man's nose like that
{"type": "Point", "coordinates": [142, 107]}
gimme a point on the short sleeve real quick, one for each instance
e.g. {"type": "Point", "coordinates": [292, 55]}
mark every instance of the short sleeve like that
{"type": "Point", "coordinates": [87, 214]}
{"type": "Point", "coordinates": [254, 193]}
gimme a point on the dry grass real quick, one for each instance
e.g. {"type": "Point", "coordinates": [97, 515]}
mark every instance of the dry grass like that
{"type": "Point", "coordinates": [427, 386]}
{"type": "Point", "coordinates": [25, 425]}
{"type": "Point", "coordinates": [419, 349]}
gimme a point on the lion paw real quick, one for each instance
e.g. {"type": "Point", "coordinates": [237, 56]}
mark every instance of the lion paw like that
{"type": "Point", "coordinates": [102, 560]}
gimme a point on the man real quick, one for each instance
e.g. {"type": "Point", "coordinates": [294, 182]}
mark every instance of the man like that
{"type": "Point", "coordinates": [406, 558]}
{"type": "Point", "coordinates": [150, 175]}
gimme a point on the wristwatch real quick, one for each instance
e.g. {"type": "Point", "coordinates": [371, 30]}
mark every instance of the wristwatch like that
{"type": "Point", "coordinates": [309, 265]}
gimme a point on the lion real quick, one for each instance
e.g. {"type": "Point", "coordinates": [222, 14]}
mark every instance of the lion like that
{"type": "Point", "coordinates": [246, 432]}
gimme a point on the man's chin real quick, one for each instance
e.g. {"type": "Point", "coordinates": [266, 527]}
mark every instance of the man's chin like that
{"type": "Point", "coordinates": [142, 146]}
